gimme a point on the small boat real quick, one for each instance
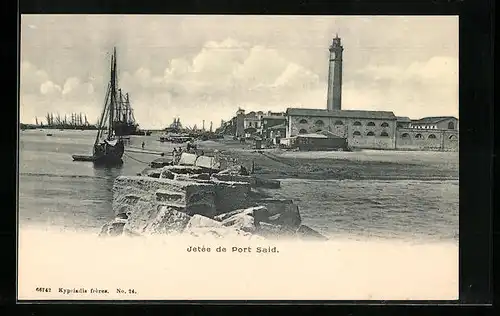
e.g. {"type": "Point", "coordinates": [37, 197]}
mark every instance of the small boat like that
{"type": "Point", "coordinates": [49, 134]}
{"type": "Point", "coordinates": [83, 158]}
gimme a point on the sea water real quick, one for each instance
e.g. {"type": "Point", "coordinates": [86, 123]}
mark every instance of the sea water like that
{"type": "Point", "coordinates": [55, 191]}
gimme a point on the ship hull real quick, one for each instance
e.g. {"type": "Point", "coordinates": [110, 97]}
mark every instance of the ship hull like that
{"type": "Point", "coordinates": [106, 153]}
{"type": "Point", "coordinates": [124, 129]}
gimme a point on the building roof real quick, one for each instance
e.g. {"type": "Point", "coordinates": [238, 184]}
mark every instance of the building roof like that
{"type": "Point", "coordinates": [403, 119]}
{"type": "Point", "coordinates": [433, 119]}
{"type": "Point", "coordinates": [280, 126]}
{"type": "Point", "coordinates": [311, 136]}
{"type": "Point", "coordinates": [330, 134]}
{"type": "Point", "coordinates": [274, 118]}
{"type": "Point", "coordinates": [341, 113]}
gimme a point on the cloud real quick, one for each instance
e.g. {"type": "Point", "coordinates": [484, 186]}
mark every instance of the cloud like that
{"type": "Point", "coordinates": [210, 82]}
{"type": "Point", "coordinates": [70, 85]}
{"type": "Point", "coordinates": [49, 87]}
{"type": "Point", "coordinates": [31, 78]}
{"type": "Point", "coordinates": [423, 88]}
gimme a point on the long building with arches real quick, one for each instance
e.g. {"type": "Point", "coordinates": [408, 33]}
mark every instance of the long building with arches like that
{"type": "Point", "coordinates": [370, 129]}
{"type": "Point", "coordinates": [376, 129]}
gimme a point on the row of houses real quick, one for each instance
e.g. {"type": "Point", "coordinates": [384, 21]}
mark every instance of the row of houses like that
{"type": "Point", "coordinates": [267, 125]}
{"type": "Point", "coordinates": [361, 129]}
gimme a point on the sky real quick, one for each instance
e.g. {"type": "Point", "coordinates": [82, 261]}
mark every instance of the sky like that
{"type": "Point", "coordinates": [206, 67]}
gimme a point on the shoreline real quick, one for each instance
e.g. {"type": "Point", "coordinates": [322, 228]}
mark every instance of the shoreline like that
{"type": "Point", "coordinates": [327, 165]}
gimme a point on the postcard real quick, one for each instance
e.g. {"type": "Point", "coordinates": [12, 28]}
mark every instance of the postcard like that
{"type": "Point", "coordinates": [192, 157]}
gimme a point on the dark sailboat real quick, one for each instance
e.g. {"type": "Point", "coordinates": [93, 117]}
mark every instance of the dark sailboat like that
{"type": "Point", "coordinates": [110, 149]}
{"type": "Point", "coordinates": [107, 150]}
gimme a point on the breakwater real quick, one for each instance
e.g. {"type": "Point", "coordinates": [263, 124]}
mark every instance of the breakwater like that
{"type": "Point", "coordinates": [198, 197]}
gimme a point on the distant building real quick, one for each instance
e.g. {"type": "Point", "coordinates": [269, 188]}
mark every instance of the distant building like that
{"type": "Point", "coordinates": [369, 129]}
{"type": "Point", "coordinates": [274, 126]}
{"type": "Point", "coordinates": [364, 129]}
{"type": "Point", "coordinates": [361, 129]}
{"type": "Point", "coordinates": [240, 123]}
{"type": "Point", "coordinates": [403, 121]}
{"type": "Point", "coordinates": [253, 123]}
{"type": "Point", "coordinates": [436, 122]}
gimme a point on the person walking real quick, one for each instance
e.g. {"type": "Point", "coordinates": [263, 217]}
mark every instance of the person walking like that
{"type": "Point", "coordinates": [143, 144]}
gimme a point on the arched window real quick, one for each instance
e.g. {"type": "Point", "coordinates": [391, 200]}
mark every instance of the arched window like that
{"type": "Point", "coordinates": [432, 136]}
{"type": "Point", "coordinates": [302, 131]}
{"type": "Point", "coordinates": [405, 135]}
{"type": "Point", "coordinates": [384, 124]}
{"type": "Point", "coordinates": [356, 133]}
{"type": "Point", "coordinates": [357, 123]}
{"type": "Point", "coordinates": [319, 123]}
{"type": "Point", "coordinates": [418, 136]}
{"type": "Point", "coordinates": [370, 134]}
{"type": "Point", "coordinates": [451, 125]}
{"type": "Point", "coordinates": [452, 137]}
{"type": "Point", "coordinates": [303, 121]}
{"type": "Point", "coordinates": [338, 122]}
{"type": "Point", "coordinates": [370, 124]}
{"type": "Point", "coordinates": [384, 134]}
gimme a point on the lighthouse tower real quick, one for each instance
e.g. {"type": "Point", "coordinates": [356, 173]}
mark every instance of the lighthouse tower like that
{"type": "Point", "coordinates": [334, 96]}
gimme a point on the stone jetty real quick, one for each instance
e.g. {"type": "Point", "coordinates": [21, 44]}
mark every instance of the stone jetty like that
{"type": "Point", "coordinates": [199, 198]}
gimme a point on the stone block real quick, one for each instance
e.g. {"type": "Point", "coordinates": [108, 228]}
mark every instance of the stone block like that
{"type": "Point", "coordinates": [183, 169]}
{"type": "Point", "coordinates": [202, 221]}
{"type": "Point", "coordinates": [235, 170]}
{"type": "Point", "coordinates": [197, 198]}
{"type": "Point", "coordinates": [143, 213]}
{"type": "Point", "coordinates": [113, 228]}
{"type": "Point", "coordinates": [174, 197]}
{"type": "Point", "coordinates": [266, 183]}
{"type": "Point", "coordinates": [207, 162]}
{"type": "Point", "coordinates": [259, 213]}
{"type": "Point", "coordinates": [200, 226]}
{"type": "Point", "coordinates": [166, 174]}
{"type": "Point", "coordinates": [241, 221]}
{"type": "Point", "coordinates": [234, 178]}
{"type": "Point", "coordinates": [161, 162]}
{"type": "Point", "coordinates": [281, 212]}
{"type": "Point", "coordinates": [272, 231]}
{"type": "Point", "coordinates": [231, 195]}
{"type": "Point", "coordinates": [167, 221]}
{"type": "Point", "coordinates": [305, 232]}
{"type": "Point", "coordinates": [201, 200]}
{"type": "Point", "coordinates": [187, 159]}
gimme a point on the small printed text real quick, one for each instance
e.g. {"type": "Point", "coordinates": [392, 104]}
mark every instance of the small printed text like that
{"type": "Point", "coordinates": [67, 291]}
{"type": "Point", "coordinates": [266, 250]}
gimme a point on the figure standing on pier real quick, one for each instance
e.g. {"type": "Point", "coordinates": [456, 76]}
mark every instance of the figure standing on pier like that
{"type": "Point", "coordinates": [143, 144]}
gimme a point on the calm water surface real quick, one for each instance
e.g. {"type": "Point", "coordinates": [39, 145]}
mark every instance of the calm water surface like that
{"type": "Point", "coordinates": [56, 191]}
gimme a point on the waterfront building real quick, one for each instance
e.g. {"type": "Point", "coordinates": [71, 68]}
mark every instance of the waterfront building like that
{"type": "Point", "coordinates": [369, 129]}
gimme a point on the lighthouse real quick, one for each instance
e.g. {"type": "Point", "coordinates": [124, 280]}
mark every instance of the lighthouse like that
{"type": "Point", "coordinates": [334, 96]}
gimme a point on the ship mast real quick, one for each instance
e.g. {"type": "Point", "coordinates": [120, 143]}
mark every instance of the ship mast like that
{"type": "Point", "coordinates": [127, 109]}
{"type": "Point", "coordinates": [113, 94]}
{"type": "Point", "coordinates": [120, 106]}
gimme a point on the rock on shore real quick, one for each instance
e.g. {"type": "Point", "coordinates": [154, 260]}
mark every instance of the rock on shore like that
{"type": "Point", "coordinates": [190, 199]}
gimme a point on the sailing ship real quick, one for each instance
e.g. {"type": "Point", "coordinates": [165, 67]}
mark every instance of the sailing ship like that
{"type": "Point", "coordinates": [124, 123]}
{"type": "Point", "coordinates": [109, 150]}
{"type": "Point", "coordinates": [108, 146]}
